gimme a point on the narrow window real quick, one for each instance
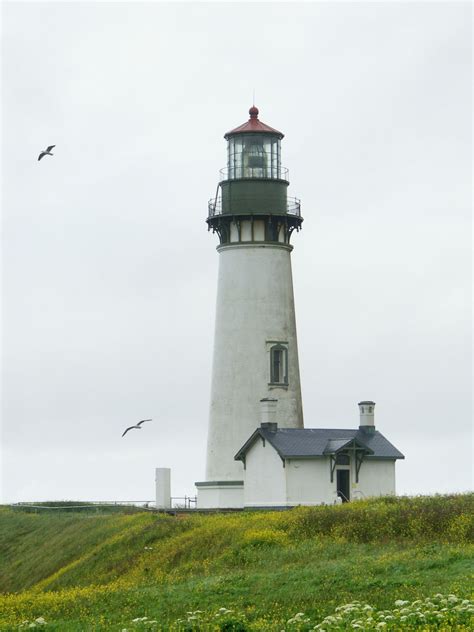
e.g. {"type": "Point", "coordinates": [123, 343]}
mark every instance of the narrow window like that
{"type": "Point", "coordinates": [278, 365]}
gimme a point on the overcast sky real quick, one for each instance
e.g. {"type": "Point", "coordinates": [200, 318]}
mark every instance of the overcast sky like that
{"type": "Point", "coordinates": [110, 275]}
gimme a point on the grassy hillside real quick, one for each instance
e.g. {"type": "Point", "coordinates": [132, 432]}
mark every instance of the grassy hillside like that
{"type": "Point", "coordinates": [98, 571]}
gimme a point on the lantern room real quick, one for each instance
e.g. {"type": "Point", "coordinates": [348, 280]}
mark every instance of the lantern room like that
{"type": "Point", "coordinates": [253, 150]}
{"type": "Point", "coordinates": [251, 201]}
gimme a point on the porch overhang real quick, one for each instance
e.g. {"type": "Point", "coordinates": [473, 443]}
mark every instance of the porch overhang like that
{"type": "Point", "coordinates": [350, 447]}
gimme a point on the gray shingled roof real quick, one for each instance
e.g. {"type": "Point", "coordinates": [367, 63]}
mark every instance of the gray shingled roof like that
{"type": "Point", "coordinates": [308, 442]}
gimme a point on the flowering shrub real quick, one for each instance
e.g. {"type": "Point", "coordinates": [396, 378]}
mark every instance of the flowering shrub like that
{"type": "Point", "coordinates": [443, 612]}
{"type": "Point", "coordinates": [431, 613]}
{"type": "Point", "coordinates": [440, 612]}
{"type": "Point", "coordinates": [264, 537]}
{"type": "Point", "coordinates": [449, 518]}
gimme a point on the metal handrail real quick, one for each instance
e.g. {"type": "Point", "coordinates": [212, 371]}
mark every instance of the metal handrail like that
{"type": "Point", "coordinates": [339, 493]}
{"type": "Point", "coordinates": [237, 173]}
{"type": "Point", "coordinates": [188, 501]}
{"type": "Point", "coordinates": [96, 504]}
{"type": "Point", "coordinates": [293, 206]}
{"type": "Point", "coordinates": [93, 504]}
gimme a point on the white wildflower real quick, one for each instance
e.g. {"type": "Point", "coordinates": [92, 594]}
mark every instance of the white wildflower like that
{"type": "Point", "coordinates": [401, 602]}
{"type": "Point", "coordinates": [296, 619]}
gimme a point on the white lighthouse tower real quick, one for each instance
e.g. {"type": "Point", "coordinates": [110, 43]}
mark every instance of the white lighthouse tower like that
{"type": "Point", "coordinates": [255, 344]}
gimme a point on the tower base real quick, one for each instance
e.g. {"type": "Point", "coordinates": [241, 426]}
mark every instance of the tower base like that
{"type": "Point", "coordinates": [220, 494]}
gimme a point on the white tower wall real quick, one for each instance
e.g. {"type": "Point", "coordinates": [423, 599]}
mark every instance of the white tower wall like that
{"type": "Point", "coordinates": [255, 311]}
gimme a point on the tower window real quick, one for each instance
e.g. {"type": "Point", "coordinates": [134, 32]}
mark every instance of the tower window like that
{"type": "Point", "coordinates": [278, 365]}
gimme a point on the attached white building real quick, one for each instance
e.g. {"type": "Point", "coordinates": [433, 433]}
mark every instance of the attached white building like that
{"type": "Point", "coordinates": [284, 467]}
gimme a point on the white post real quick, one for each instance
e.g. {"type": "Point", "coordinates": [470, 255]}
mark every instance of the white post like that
{"type": "Point", "coordinates": [163, 487]}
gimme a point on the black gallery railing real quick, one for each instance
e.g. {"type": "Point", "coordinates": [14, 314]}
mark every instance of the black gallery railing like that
{"type": "Point", "coordinates": [293, 207]}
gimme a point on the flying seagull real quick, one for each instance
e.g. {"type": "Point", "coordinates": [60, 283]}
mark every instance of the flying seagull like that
{"type": "Point", "coordinates": [138, 426]}
{"type": "Point", "coordinates": [46, 152]}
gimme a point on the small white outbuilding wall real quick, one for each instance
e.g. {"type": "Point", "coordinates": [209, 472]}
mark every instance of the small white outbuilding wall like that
{"type": "Point", "coordinates": [270, 481]}
{"type": "Point", "coordinates": [264, 477]}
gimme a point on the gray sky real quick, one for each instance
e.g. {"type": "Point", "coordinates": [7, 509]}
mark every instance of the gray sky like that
{"type": "Point", "coordinates": [109, 274]}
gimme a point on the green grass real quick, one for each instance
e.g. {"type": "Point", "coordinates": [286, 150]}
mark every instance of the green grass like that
{"type": "Point", "coordinates": [92, 571]}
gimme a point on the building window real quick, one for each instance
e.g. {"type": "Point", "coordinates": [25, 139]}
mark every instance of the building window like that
{"type": "Point", "coordinates": [278, 365]}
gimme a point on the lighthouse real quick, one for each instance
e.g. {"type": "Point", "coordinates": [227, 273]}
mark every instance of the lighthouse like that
{"type": "Point", "coordinates": [255, 360]}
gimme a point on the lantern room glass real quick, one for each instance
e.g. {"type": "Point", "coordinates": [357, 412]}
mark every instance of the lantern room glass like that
{"type": "Point", "coordinates": [254, 156]}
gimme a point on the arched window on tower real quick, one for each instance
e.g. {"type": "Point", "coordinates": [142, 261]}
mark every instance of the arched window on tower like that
{"type": "Point", "coordinates": [278, 364]}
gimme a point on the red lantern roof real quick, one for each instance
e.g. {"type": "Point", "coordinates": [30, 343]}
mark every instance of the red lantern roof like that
{"type": "Point", "coordinates": [253, 125]}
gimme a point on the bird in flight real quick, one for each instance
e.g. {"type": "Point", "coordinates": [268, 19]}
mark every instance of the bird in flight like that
{"type": "Point", "coordinates": [138, 426]}
{"type": "Point", "coordinates": [46, 152]}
